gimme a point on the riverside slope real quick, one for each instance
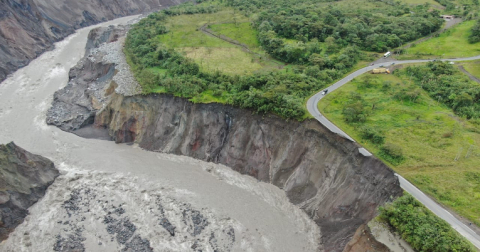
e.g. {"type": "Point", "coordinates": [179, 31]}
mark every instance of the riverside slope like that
{"type": "Point", "coordinates": [322, 173]}
{"type": "Point", "coordinates": [24, 178]}
{"type": "Point", "coordinates": [30, 27]}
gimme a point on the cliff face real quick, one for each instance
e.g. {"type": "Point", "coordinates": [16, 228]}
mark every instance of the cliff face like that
{"type": "Point", "coordinates": [322, 173]}
{"type": "Point", "coordinates": [24, 177]}
{"type": "Point", "coordinates": [29, 27]}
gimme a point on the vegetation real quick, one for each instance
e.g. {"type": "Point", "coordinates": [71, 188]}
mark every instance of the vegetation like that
{"type": "Point", "coordinates": [443, 81]}
{"type": "Point", "coordinates": [418, 135]}
{"type": "Point", "coordinates": [169, 53]}
{"type": "Point", "coordinates": [473, 67]}
{"type": "Point", "coordinates": [451, 43]}
{"type": "Point", "coordinates": [370, 25]}
{"type": "Point", "coordinates": [474, 36]}
{"type": "Point", "coordinates": [422, 229]}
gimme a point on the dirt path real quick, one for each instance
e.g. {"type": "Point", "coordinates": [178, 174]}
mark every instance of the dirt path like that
{"type": "Point", "coordinates": [472, 77]}
{"type": "Point", "coordinates": [244, 47]}
{"type": "Point", "coordinates": [209, 32]}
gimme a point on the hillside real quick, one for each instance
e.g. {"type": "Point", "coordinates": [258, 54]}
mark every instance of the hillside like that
{"type": "Point", "coordinates": [171, 52]}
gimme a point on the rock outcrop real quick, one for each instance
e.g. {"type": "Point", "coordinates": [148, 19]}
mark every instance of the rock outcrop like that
{"type": "Point", "coordinates": [24, 178]}
{"type": "Point", "coordinates": [30, 27]}
{"type": "Point", "coordinates": [321, 172]}
{"type": "Point", "coordinates": [89, 84]}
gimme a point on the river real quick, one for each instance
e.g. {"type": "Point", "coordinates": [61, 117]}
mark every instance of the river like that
{"type": "Point", "coordinates": [111, 196]}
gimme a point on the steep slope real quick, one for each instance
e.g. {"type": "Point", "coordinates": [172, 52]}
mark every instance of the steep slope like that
{"type": "Point", "coordinates": [321, 172]}
{"type": "Point", "coordinates": [24, 178]}
{"type": "Point", "coordinates": [29, 27]}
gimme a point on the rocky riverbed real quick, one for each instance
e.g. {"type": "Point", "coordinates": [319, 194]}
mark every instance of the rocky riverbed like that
{"type": "Point", "coordinates": [93, 211]}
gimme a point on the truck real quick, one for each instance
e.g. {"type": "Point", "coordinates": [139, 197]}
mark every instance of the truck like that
{"type": "Point", "coordinates": [380, 70]}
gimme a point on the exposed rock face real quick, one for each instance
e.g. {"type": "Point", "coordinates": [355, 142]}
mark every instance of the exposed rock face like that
{"type": "Point", "coordinates": [75, 105]}
{"type": "Point", "coordinates": [322, 173]}
{"type": "Point", "coordinates": [24, 178]}
{"type": "Point", "coordinates": [29, 27]}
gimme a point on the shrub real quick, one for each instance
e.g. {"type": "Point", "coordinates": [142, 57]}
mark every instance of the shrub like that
{"type": "Point", "coordinates": [392, 153]}
{"type": "Point", "coordinates": [423, 230]}
{"type": "Point", "coordinates": [354, 110]}
{"type": "Point", "coordinates": [475, 35]}
{"type": "Point", "coordinates": [372, 134]}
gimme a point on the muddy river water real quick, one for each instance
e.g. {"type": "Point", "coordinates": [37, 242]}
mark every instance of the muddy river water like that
{"type": "Point", "coordinates": [113, 197]}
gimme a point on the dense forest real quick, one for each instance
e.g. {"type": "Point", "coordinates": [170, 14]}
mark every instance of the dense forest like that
{"type": "Point", "coordinates": [373, 25]}
{"type": "Point", "coordinates": [324, 41]}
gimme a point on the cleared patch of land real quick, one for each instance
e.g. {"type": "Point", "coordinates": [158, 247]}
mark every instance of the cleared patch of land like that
{"type": "Point", "coordinates": [241, 32]}
{"type": "Point", "coordinates": [441, 150]}
{"type": "Point", "coordinates": [226, 59]}
{"type": "Point", "coordinates": [213, 53]}
{"type": "Point", "coordinates": [417, 2]}
{"type": "Point", "coordinates": [451, 43]}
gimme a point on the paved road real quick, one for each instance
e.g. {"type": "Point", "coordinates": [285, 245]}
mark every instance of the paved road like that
{"type": "Point", "coordinates": [312, 106]}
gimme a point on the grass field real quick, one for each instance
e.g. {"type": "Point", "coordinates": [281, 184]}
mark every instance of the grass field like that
{"type": "Point", "coordinates": [242, 32]}
{"type": "Point", "coordinates": [212, 53]}
{"type": "Point", "coordinates": [452, 43]}
{"type": "Point", "coordinates": [226, 59]}
{"type": "Point", "coordinates": [416, 2]}
{"type": "Point", "coordinates": [472, 67]}
{"type": "Point", "coordinates": [441, 150]}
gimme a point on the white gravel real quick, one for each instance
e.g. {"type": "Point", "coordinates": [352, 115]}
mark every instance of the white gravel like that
{"type": "Point", "coordinates": [112, 53]}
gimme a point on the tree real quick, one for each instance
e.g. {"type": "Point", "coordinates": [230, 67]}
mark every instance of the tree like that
{"type": "Point", "coordinates": [475, 33]}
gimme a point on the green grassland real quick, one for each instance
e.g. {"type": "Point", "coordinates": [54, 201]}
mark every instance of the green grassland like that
{"type": "Point", "coordinates": [441, 150]}
{"type": "Point", "coordinates": [212, 53]}
{"type": "Point", "coordinates": [473, 67]}
{"type": "Point", "coordinates": [241, 32]}
{"type": "Point", "coordinates": [451, 43]}
{"type": "Point", "coordinates": [416, 2]}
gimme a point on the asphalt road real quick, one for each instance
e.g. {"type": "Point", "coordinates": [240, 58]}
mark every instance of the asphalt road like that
{"type": "Point", "coordinates": [312, 107]}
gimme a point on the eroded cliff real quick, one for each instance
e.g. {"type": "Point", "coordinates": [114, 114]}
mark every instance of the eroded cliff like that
{"type": "Point", "coordinates": [24, 178]}
{"type": "Point", "coordinates": [322, 173]}
{"type": "Point", "coordinates": [30, 27]}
